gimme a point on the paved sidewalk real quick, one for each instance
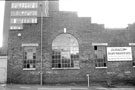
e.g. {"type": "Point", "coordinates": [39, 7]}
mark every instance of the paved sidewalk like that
{"type": "Point", "coordinates": [44, 87]}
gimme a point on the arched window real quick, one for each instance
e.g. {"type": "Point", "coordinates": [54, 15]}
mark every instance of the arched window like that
{"type": "Point", "coordinates": [65, 52]}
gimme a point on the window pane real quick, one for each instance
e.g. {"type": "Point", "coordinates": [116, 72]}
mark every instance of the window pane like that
{"type": "Point", "coordinates": [95, 47]}
{"type": "Point", "coordinates": [24, 66]}
{"type": "Point", "coordinates": [28, 66]}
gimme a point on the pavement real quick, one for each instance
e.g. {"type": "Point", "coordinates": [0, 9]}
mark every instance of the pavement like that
{"type": "Point", "coordinates": [44, 87]}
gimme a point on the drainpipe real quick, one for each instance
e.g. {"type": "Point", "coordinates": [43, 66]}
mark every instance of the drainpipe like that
{"type": "Point", "coordinates": [41, 72]}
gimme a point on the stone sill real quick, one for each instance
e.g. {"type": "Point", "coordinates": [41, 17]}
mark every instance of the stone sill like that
{"type": "Point", "coordinates": [29, 44]}
{"type": "Point", "coordinates": [29, 68]}
{"type": "Point", "coordinates": [64, 68]}
{"type": "Point", "coordinates": [134, 66]}
{"type": "Point", "coordinates": [3, 57]}
{"type": "Point", "coordinates": [101, 67]}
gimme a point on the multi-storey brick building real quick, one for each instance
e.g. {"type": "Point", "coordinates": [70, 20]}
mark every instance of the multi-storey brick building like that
{"type": "Point", "coordinates": [64, 48]}
{"type": "Point", "coordinates": [18, 12]}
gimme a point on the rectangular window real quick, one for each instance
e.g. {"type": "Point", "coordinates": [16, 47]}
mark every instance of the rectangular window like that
{"type": "Point", "coordinates": [13, 27]}
{"type": "Point", "coordinates": [24, 5]}
{"type": "Point", "coordinates": [133, 54]}
{"type": "Point", "coordinates": [16, 20]}
{"type": "Point", "coordinates": [95, 47]}
{"type": "Point", "coordinates": [29, 61]}
{"type": "Point", "coordinates": [23, 13]}
{"type": "Point", "coordinates": [100, 56]}
{"type": "Point", "coordinates": [23, 20]}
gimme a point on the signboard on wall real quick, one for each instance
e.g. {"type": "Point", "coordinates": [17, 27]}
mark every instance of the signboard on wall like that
{"type": "Point", "coordinates": [119, 53]}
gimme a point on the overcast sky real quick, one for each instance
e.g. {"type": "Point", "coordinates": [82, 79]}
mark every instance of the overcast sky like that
{"type": "Point", "coordinates": [112, 13]}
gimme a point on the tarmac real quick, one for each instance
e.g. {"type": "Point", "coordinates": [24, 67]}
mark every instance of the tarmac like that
{"type": "Point", "coordinates": [61, 87]}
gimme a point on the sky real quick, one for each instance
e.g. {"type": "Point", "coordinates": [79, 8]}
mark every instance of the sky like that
{"type": "Point", "coordinates": [111, 13]}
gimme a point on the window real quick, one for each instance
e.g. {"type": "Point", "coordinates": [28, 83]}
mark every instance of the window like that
{"type": "Point", "coordinates": [133, 52]}
{"type": "Point", "coordinates": [29, 61]}
{"type": "Point", "coordinates": [16, 20]}
{"type": "Point", "coordinates": [100, 56]}
{"type": "Point", "coordinates": [24, 13]}
{"type": "Point", "coordinates": [13, 27]}
{"type": "Point", "coordinates": [95, 47]}
{"type": "Point", "coordinates": [24, 5]}
{"type": "Point", "coordinates": [30, 20]}
{"type": "Point", "coordinates": [23, 20]}
{"type": "Point", "coordinates": [65, 52]}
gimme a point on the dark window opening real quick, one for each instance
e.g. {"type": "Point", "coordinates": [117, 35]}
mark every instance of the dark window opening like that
{"type": "Point", "coordinates": [95, 47]}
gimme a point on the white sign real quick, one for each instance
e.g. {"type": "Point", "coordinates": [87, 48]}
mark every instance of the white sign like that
{"type": "Point", "coordinates": [119, 54]}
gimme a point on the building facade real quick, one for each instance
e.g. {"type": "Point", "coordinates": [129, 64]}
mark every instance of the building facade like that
{"type": "Point", "coordinates": [64, 48]}
{"type": "Point", "coordinates": [18, 12]}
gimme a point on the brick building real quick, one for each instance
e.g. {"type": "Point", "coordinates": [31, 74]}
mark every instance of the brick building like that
{"type": "Point", "coordinates": [65, 48]}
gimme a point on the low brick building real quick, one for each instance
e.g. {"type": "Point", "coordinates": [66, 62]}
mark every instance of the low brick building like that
{"type": "Point", "coordinates": [71, 48]}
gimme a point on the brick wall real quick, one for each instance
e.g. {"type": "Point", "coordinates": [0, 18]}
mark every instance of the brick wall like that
{"type": "Point", "coordinates": [85, 32]}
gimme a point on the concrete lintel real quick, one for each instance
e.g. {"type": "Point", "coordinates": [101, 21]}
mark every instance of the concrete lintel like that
{"type": "Point", "coordinates": [66, 68]}
{"type": "Point", "coordinates": [100, 67]}
{"type": "Point", "coordinates": [99, 44]}
{"type": "Point", "coordinates": [131, 44]}
{"type": "Point", "coordinates": [29, 68]}
{"type": "Point", "coordinates": [30, 44]}
{"type": "Point", "coordinates": [3, 57]}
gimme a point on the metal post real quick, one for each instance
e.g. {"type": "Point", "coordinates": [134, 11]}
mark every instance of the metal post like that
{"type": "Point", "coordinates": [88, 80]}
{"type": "Point", "coordinates": [41, 72]}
